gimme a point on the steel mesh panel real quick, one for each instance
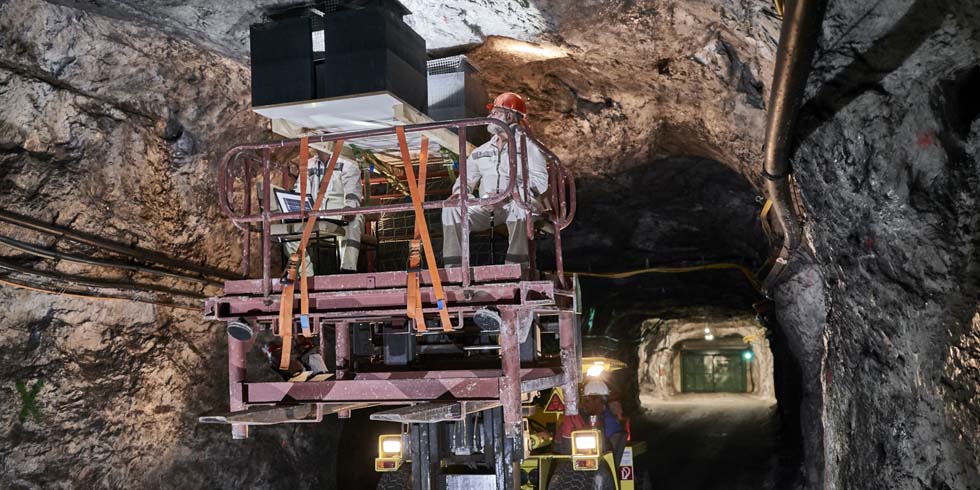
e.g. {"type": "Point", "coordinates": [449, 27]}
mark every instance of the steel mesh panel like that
{"type": "Point", "coordinates": [452, 64]}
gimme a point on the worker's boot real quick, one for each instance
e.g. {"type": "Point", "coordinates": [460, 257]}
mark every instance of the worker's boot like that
{"type": "Point", "coordinates": [488, 319]}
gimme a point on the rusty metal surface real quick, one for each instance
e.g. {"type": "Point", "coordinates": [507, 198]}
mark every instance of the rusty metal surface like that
{"type": "Point", "coordinates": [241, 220]}
{"type": "Point", "coordinates": [405, 390]}
{"type": "Point", "coordinates": [464, 238]}
{"type": "Point", "coordinates": [342, 345]}
{"type": "Point", "coordinates": [367, 296]}
{"type": "Point", "coordinates": [237, 350]}
{"type": "Point", "coordinates": [571, 358]}
{"type": "Point", "coordinates": [433, 412]}
{"type": "Point", "coordinates": [337, 301]}
{"type": "Point", "coordinates": [240, 158]}
{"type": "Point", "coordinates": [372, 299]}
{"type": "Point", "coordinates": [289, 414]}
{"type": "Point", "coordinates": [510, 382]}
{"type": "Point", "coordinates": [367, 387]}
{"type": "Point", "coordinates": [526, 374]}
{"type": "Point", "coordinates": [376, 280]}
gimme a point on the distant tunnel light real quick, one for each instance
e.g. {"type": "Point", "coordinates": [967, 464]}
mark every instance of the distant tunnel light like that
{"type": "Point", "coordinates": [747, 355]}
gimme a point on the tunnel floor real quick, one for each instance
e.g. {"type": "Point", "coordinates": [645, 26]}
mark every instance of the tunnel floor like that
{"type": "Point", "coordinates": [710, 441]}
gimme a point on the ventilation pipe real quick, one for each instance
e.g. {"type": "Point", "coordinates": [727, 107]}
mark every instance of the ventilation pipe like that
{"type": "Point", "coordinates": [797, 40]}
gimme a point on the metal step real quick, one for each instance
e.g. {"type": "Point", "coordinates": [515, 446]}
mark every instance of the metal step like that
{"type": "Point", "coordinates": [306, 413]}
{"type": "Point", "coordinates": [429, 413]}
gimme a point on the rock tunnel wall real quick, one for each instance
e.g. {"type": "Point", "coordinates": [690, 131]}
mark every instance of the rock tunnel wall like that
{"type": "Point", "coordinates": [888, 169]}
{"type": "Point", "coordinates": [113, 128]}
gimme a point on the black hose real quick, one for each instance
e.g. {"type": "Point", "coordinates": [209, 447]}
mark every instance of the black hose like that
{"type": "Point", "coordinates": [137, 253]}
{"type": "Point", "coordinates": [98, 283]}
{"type": "Point", "coordinates": [797, 42]}
{"type": "Point", "coordinates": [87, 295]}
{"type": "Point", "coordinates": [54, 254]}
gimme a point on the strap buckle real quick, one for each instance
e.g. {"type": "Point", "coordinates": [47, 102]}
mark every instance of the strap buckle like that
{"type": "Point", "coordinates": [414, 256]}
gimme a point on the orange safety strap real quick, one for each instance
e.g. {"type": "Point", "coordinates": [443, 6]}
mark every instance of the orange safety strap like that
{"type": "Point", "coordinates": [289, 284]}
{"type": "Point", "coordinates": [414, 300]}
{"type": "Point", "coordinates": [304, 287]}
{"type": "Point", "coordinates": [423, 230]}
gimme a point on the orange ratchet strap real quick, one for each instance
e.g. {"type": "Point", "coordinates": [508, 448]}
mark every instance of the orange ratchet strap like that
{"type": "Point", "coordinates": [289, 284]}
{"type": "Point", "coordinates": [414, 303]}
{"type": "Point", "coordinates": [423, 230]}
{"type": "Point", "coordinates": [304, 288]}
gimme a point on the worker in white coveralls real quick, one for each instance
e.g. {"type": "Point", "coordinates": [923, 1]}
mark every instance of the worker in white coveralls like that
{"type": "Point", "coordinates": [489, 168]}
{"type": "Point", "coordinates": [343, 191]}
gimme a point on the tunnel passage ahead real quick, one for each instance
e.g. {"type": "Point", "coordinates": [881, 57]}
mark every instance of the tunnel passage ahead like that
{"type": "Point", "coordinates": [680, 209]}
{"type": "Point", "coordinates": [702, 391]}
{"type": "Point", "coordinates": [707, 406]}
{"type": "Point", "coordinates": [710, 441]}
{"type": "Point", "coordinates": [706, 354]}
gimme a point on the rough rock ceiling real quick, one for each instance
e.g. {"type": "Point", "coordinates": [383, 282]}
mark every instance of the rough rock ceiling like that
{"type": "Point", "coordinates": [631, 81]}
{"type": "Point", "coordinates": [223, 25]}
{"type": "Point", "coordinates": [614, 88]}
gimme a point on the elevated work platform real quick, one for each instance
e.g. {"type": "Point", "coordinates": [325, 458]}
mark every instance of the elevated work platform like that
{"type": "Point", "coordinates": [381, 295]}
{"type": "Point", "coordinates": [356, 113]}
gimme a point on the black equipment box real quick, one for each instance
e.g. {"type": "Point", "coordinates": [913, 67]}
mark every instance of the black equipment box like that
{"type": "Point", "coordinates": [326, 51]}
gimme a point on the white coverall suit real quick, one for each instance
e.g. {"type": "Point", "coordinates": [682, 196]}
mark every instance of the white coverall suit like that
{"type": "Point", "coordinates": [489, 166]}
{"type": "Point", "coordinates": [343, 191]}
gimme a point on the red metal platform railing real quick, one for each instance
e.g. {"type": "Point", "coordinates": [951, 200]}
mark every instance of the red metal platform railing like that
{"type": "Point", "coordinates": [242, 158]}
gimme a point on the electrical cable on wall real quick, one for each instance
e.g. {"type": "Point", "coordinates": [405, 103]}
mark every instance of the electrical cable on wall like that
{"type": "Point", "coordinates": [756, 285]}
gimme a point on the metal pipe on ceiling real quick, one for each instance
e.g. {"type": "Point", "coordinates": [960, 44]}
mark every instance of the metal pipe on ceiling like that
{"type": "Point", "coordinates": [797, 41]}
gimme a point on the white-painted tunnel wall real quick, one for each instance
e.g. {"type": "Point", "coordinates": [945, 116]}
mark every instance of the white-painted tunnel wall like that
{"type": "Point", "coordinates": [659, 367]}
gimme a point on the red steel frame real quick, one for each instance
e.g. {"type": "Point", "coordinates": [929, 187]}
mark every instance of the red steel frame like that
{"type": "Point", "coordinates": [337, 301]}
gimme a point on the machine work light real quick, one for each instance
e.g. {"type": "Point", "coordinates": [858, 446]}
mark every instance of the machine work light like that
{"type": "Point", "coordinates": [389, 453]}
{"type": "Point", "coordinates": [586, 450]}
{"type": "Point", "coordinates": [595, 370]}
{"type": "Point", "coordinates": [585, 443]}
{"type": "Point", "coordinates": [391, 446]}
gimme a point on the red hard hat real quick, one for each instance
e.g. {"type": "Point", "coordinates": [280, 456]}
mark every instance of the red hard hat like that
{"type": "Point", "coordinates": [509, 100]}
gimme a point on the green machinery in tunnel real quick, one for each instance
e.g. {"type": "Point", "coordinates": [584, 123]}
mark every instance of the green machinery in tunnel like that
{"type": "Point", "coordinates": [714, 371]}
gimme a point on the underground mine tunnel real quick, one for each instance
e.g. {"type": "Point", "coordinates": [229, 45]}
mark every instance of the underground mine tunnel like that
{"type": "Point", "coordinates": [705, 244]}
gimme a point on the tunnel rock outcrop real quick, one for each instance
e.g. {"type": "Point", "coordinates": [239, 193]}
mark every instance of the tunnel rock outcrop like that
{"type": "Point", "coordinates": [888, 166]}
{"type": "Point", "coordinates": [114, 128]}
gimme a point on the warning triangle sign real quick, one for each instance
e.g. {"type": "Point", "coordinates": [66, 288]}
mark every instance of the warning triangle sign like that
{"type": "Point", "coordinates": [555, 403]}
